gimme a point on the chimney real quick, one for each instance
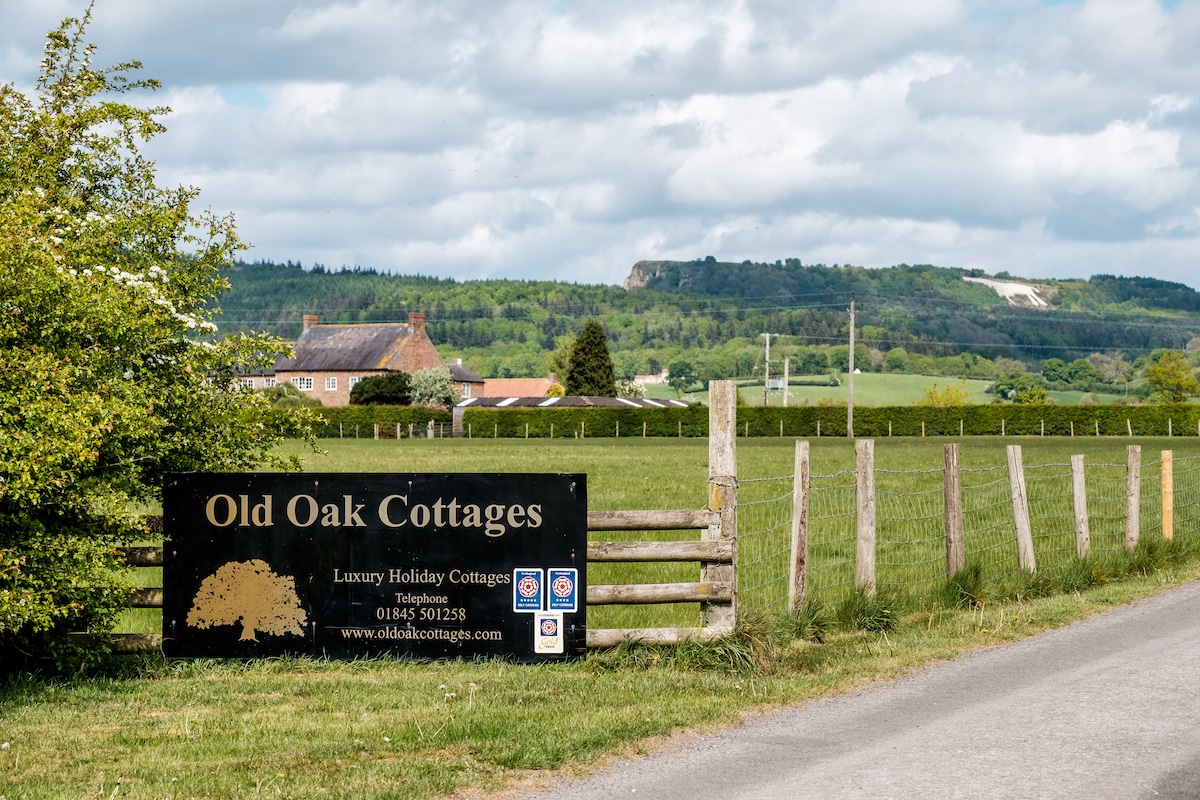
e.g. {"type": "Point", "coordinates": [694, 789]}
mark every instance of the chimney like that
{"type": "Point", "coordinates": [309, 321]}
{"type": "Point", "coordinates": [416, 320]}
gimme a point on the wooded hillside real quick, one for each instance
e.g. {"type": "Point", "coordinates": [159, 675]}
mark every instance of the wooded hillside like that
{"type": "Point", "coordinates": [715, 312]}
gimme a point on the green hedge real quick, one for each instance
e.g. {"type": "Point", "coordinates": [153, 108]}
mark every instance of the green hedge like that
{"type": "Point", "coordinates": [991, 420]}
{"type": "Point", "coordinates": [566, 423]}
{"type": "Point", "coordinates": [797, 422]}
{"type": "Point", "coordinates": [359, 421]}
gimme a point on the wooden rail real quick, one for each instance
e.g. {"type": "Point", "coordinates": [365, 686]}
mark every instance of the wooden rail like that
{"type": "Point", "coordinates": [712, 551]}
{"type": "Point", "coordinates": [650, 520]}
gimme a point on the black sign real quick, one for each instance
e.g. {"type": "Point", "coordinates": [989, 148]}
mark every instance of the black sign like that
{"type": "Point", "coordinates": [349, 565]}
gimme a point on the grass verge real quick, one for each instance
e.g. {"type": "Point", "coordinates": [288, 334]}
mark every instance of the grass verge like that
{"type": "Point", "coordinates": [380, 728]}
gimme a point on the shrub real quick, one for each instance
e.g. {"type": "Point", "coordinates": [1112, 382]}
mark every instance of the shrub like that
{"type": "Point", "coordinates": [392, 389]}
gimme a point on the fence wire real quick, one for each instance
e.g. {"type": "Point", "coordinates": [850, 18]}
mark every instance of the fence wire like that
{"type": "Point", "coordinates": [910, 543]}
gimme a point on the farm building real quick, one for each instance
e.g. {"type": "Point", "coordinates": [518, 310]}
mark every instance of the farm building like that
{"type": "Point", "coordinates": [515, 387]}
{"type": "Point", "coordinates": [330, 358]}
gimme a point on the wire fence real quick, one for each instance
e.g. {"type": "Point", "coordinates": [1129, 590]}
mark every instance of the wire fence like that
{"type": "Point", "coordinates": [910, 528]}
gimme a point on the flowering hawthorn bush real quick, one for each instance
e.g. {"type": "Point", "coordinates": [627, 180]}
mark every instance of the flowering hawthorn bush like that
{"type": "Point", "coordinates": [111, 373]}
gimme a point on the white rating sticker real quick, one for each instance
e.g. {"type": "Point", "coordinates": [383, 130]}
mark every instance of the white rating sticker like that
{"type": "Point", "coordinates": [548, 632]}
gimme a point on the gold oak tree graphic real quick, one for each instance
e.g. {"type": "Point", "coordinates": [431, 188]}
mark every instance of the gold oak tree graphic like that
{"type": "Point", "coordinates": [250, 593]}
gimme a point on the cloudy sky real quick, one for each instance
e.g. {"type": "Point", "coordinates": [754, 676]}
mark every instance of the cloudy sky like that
{"type": "Point", "coordinates": [568, 140]}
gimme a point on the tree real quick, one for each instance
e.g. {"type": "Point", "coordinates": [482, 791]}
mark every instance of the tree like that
{"type": "Point", "coordinates": [392, 389]}
{"type": "Point", "coordinates": [1055, 370]}
{"type": "Point", "coordinates": [680, 375]}
{"type": "Point", "coordinates": [111, 375]}
{"type": "Point", "coordinates": [284, 395]}
{"type": "Point", "coordinates": [1032, 396]}
{"type": "Point", "coordinates": [628, 365]}
{"type": "Point", "coordinates": [631, 390]}
{"type": "Point", "coordinates": [433, 388]}
{"type": "Point", "coordinates": [1173, 379]}
{"type": "Point", "coordinates": [896, 359]}
{"type": "Point", "coordinates": [1020, 387]}
{"type": "Point", "coordinates": [250, 594]}
{"type": "Point", "coordinates": [590, 371]}
{"type": "Point", "coordinates": [560, 359]}
{"type": "Point", "coordinates": [949, 397]}
{"type": "Point", "coordinates": [1083, 374]}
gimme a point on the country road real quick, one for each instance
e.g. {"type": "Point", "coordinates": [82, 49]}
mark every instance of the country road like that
{"type": "Point", "coordinates": [1106, 708]}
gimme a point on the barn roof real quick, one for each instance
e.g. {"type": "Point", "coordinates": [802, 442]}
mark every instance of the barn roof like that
{"type": "Point", "coordinates": [516, 387]}
{"type": "Point", "coordinates": [346, 347]}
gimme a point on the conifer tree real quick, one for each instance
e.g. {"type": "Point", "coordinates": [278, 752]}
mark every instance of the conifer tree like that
{"type": "Point", "coordinates": [590, 371]}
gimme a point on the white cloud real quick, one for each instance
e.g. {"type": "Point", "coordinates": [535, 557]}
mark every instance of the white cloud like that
{"type": "Point", "coordinates": [568, 141]}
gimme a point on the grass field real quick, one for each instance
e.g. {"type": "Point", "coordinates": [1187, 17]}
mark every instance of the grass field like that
{"type": "Point", "coordinates": [378, 728]}
{"type": "Point", "coordinates": [870, 389]}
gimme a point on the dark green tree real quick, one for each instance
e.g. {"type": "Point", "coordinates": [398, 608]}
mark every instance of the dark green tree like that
{"type": "Point", "coordinates": [681, 375]}
{"type": "Point", "coordinates": [590, 371]}
{"type": "Point", "coordinates": [393, 389]}
{"type": "Point", "coordinates": [1019, 387]}
{"type": "Point", "coordinates": [1055, 370]}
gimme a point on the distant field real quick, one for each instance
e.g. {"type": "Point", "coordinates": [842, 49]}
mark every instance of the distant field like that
{"type": "Point", "coordinates": [870, 389]}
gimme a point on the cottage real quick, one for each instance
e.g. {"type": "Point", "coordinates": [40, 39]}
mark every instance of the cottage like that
{"type": "Point", "coordinates": [331, 358]}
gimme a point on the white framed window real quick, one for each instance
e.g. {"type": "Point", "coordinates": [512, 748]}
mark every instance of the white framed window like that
{"type": "Point", "coordinates": [246, 383]}
{"type": "Point", "coordinates": [331, 384]}
{"type": "Point", "coordinates": [303, 384]}
{"type": "Point", "coordinates": [269, 382]}
{"type": "Point", "coordinates": [354, 381]}
{"type": "Point", "coordinates": [466, 391]}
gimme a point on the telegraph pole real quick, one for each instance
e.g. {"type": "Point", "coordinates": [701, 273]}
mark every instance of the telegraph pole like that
{"type": "Point", "coordinates": [850, 376]}
{"type": "Point", "coordinates": [767, 365]}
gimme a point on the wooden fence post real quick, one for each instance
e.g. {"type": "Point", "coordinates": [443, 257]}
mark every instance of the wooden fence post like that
{"type": "Point", "coordinates": [376, 431]}
{"type": "Point", "coordinates": [1133, 495]}
{"type": "Point", "coordinates": [864, 467]}
{"type": "Point", "coordinates": [1020, 506]}
{"type": "Point", "coordinates": [1168, 494]}
{"type": "Point", "coordinates": [798, 582]}
{"type": "Point", "coordinates": [952, 487]}
{"type": "Point", "coordinates": [722, 497]}
{"type": "Point", "coordinates": [1083, 535]}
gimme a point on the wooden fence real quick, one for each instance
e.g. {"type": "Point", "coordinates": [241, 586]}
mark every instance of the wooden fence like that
{"type": "Point", "coordinates": [716, 551]}
{"type": "Point", "coordinates": [954, 527]}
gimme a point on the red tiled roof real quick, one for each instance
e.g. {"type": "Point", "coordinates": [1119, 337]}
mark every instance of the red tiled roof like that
{"type": "Point", "coordinates": [516, 387]}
